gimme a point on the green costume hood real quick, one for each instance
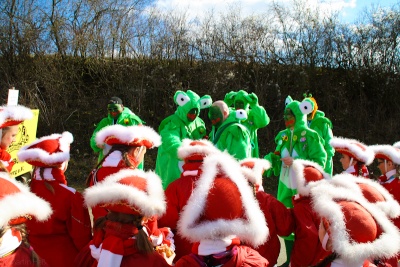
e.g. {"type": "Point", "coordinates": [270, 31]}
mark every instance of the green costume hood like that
{"type": "Point", "coordinates": [246, 98]}
{"type": "Point", "coordinates": [300, 111]}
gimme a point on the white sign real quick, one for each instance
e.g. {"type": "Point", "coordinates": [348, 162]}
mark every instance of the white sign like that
{"type": "Point", "coordinates": [12, 97]}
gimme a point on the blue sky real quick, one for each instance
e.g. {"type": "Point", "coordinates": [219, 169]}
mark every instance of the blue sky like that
{"type": "Point", "coordinates": [349, 9]}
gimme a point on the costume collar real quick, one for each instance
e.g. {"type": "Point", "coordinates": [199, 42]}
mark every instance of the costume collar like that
{"type": "Point", "coordinates": [388, 177]}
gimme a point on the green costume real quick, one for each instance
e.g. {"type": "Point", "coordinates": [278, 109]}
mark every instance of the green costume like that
{"type": "Point", "coordinates": [301, 143]}
{"type": "Point", "coordinates": [232, 136]}
{"type": "Point", "coordinates": [126, 118]}
{"type": "Point", "coordinates": [184, 123]}
{"type": "Point", "coordinates": [323, 126]}
{"type": "Point", "coordinates": [256, 115]}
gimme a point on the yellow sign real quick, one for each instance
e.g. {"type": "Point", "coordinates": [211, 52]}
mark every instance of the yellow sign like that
{"type": "Point", "coordinates": [26, 135]}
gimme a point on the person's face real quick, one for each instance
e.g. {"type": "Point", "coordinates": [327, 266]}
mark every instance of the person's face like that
{"type": "Point", "coordinates": [239, 104]}
{"type": "Point", "coordinates": [215, 115]}
{"type": "Point", "coordinates": [192, 114]}
{"type": "Point", "coordinates": [345, 160]}
{"type": "Point", "coordinates": [289, 118]}
{"type": "Point", "coordinates": [384, 166]}
{"type": "Point", "coordinates": [9, 135]}
{"type": "Point", "coordinates": [114, 110]}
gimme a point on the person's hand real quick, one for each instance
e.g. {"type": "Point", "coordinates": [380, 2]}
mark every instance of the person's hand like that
{"type": "Point", "coordinates": [252, 99]}
{"type": "Point", "coordinates": [167, 253]}
{"type": "Point", "coordinates": [288, 161]}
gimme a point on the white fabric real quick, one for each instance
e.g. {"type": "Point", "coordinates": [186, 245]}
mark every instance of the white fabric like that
{"type": "Point", "coordinates": [208, 247]}
{"type": "Point", "coordinates": [9, 242]}
{"type": "Point", "coordinates": [47, 174]}
{"type": "Point", "coordinates": [350, 169]}
{"type": "Point", "coordinates": [113, 159]}
{"type": "Point", "coordinates": [95, 251]}
{"type": "Point", "coordinates": [325, 240]}
{"type": "Point", "coordinates": [341, 263]}
{"type": "Point", "coordinates": [108, 259]}
{"type": "Point", "coordinates": [388, 175]}
{"type": "Point", "coordinates": [190, 173]}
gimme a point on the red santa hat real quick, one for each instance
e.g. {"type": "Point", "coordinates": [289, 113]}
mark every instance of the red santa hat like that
{"type": "Point", "coordinates": [358, 229]}
{"type": "Point", "coordinates": [306, 174]}
{"type": "Point", "coordinates": [387, 152]}
{"type": "Point", "coordinates": [47, 151]}
{"type": "Point", "coordinates": [222, 205]}
{"type": "Point", "coordinates": [13, 115]}
{"type": "Point", "coordinates": [353, 148]}
{"type": "Point", "coordinates": [18, 204]}
{"type": "Point", "coordinates": [138, 135]}
{"type": "Point", "coordinates": [196, 149]}
{"type": "Point", "coordinates": [253, 170]}
{"type": "Point", "coordinates": [128, 191]}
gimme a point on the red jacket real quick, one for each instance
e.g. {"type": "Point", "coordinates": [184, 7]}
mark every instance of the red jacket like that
{"type": "Point", "coordinates": [245, 257]}
{"type": "Point", "coordinates": [22, 257]}
{"type": "Point", "coordinates": [67, 231]}
{"type": "Point", "coordinates": [6, 159]}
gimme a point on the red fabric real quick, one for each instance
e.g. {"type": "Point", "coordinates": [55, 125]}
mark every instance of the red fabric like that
{"type": "Point", "coordinates": [280, 223]}
{"type": "Point", "coordinates": [177, 195]}
{"type": "Point", "coordinates": [6, 158]}
{"type": "Point", "coordinates": [307, 249]}
{"type": "Point", "coordinates": [245, 257]}
{"type": "Point", "coordinates": [67, 230]}
{"type": "Point", "coordinates": [22, 257]}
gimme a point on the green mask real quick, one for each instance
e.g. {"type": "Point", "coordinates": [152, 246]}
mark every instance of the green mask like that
{"type": "Point", "coordinates": [215, 115]}
{"type": "Point", "coordinates": [239, 104]}
{"type": "Point", "coordinates": [114, 110]}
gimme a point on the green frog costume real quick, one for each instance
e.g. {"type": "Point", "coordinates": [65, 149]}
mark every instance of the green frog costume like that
{"type": "Point", "coordinates": [256, 115]}
{"type": "Point", "coordinates": [323, 126]}
{"type": "Point", "coordinates": [299, 143]}
{"type": "Point", "coordinates": [184, 123]}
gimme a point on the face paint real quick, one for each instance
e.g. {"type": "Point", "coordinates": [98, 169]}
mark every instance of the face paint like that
{"type": "Point", "coordinates": [114, 110]}
{"type": "Point", "coordinates": [215, 115]}
{"type": "Point", "coordinates": [192, 115]}
{"type": "Point", "coordinates": [239, 104]}
{"type": "Point", "coordinates": [289, 118]}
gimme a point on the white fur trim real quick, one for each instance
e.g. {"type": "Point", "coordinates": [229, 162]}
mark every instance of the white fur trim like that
{"type": "Point", "coordinates": [253, 230]}
{"type": "Point", "coordinates": [367, 156]}
{"type": "Point", "coordinates": [109, 190]}
{"type": "Point", "coordinates": [27, 153]}
{"type": "Point", "coordinates": [128, 134]}
{"type": "Point", "coordinates": [325, 195]}
{"type": "Point", "coordinates": [22, 203]}
{"type": "Point", "coordinates": [16, 113]}
{"type": "Point", "coordinates": [185, 150]}
{"type": "Point", "coordinates": [255, 175]}
{"type": "Point", "coordinates": [389, 151]}
{"type": "Point", "coordinates": [397, 145]}
{"type": "Point", "coordinates": [297, 173]}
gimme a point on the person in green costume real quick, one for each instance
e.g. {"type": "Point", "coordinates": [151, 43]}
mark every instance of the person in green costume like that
{"type": "Point", "coordinates": [117, 114]}
{"type": "Point", "coordinates": [227, 131]}
{"type": "Point", "coordinates": [184, 123]}
{"type": "Point", "coordinates": [297, 141]}
{"type": "Point", "coordinates": [323, 126]}
{"type": "Point", "coordinates": [256, 115]}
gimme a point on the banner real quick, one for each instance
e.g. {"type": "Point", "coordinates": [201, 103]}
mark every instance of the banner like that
{"type": "Point", "coordinates": [26, 135]}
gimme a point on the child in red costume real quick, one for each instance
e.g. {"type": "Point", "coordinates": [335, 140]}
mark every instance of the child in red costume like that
{"type": "Point", "coordinates": [10, 117]}
{"type": "Point", "coordinates": [18, 205]}
{"type": "Point", "coordinates": [279, 218]}
{"type": "Point", "coordinates": [355, 229]}
{"type": "Point", "coordinates": [120, 238]}
{"type": "Point", "coordinates": [68, 230]}
{"type": "Point", "coordinates": [178, 192]}
{"type": "Point", "coordinates": [221, 213]}
{"type": "Point", "coordinates": [355, 156]}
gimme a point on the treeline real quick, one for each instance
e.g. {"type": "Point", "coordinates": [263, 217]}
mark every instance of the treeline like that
{"type": "Point", "coordinates": [68, 57]}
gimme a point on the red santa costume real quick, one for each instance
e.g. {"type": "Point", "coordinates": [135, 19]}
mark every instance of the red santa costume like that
{"type": "Point", "coordinates": [353, 228]}
{"type": "Point", "coordinates": [178, 192]}
{"type": "Point", "coordinates": [307, 248]}
{"type": "Point", "coordinates": [221, 213]}
{"type": "Point", "coordinates": [68, 229]}
{"type": "Point", "coordinates": [131, 192]}
{"type": "Point", "coordinates": [356, 150]}
{"type": "Point", "coordinates": [18, 205]}
{"type": "Point", "coordinates": [10, 116]}
{"type": "Point", "coordinates": [279, 218]}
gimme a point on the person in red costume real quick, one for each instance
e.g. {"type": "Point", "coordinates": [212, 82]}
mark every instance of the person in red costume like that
{"type": "Point", "coordinates": [352, 227]}
{"type": "Point", "coordinates": [279, 218]}
{"type": "Point", "coordinates": [121, 238]}
{"type": "Point", "coordinates": [355, 156]}
{"type": "Point", "coordinates": [192, 152]}
{"type": "Point", "coordinates": [17, 206]}
{"type": "Point", "coordinates": [10, 117]}
{"type": "Point", "coordinates": [68, 229]}
{"type": "Point", "coordinates": [221, 216]}
{"type": "Point", "coordinates": [307, 248]}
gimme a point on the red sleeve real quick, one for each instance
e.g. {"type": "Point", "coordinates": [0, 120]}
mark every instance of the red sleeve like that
{"type": "Point", "coordinates": [171, 216]}
{"type": "Point", "coordinates": [282, 216]}
{"type": "Point", "coordinates": [248, 257]}
{"type": "Point", "coordinates": [79, 225]}
{"type": "Point", "coordinates": [186, 261]}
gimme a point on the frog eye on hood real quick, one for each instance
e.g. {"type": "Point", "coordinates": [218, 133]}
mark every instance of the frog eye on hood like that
{"type": "Point", "coordinates": [205, 102]}
{"type": "Point", "coordinates": [241, 114]}
{"type": "Point", "coordinates": [181, 99]}
{"type": "Point", "coordinates": [306, 107]}
{"type": "Point", "coordinates": [288, 100]}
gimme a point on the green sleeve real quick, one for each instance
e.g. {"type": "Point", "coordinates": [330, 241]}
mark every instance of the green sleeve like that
{"type": "Point", "coordinates": [238, 142]}
{"type": "Point", "coordinates": [171, 138]}
{"type": "Point", "coordinates": [258, 116]}
{"type": "Point", "coordinates": [103, 123]}
{"type": "Point", "coordinates": [200, 131]}
{"type": "Point", "coordinates": [276, 164]}
{"type": "Point", "coordinates": [316, 151]}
